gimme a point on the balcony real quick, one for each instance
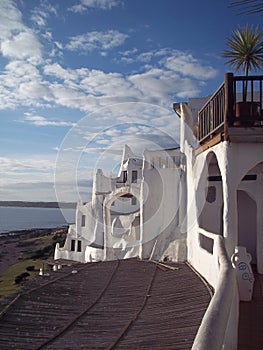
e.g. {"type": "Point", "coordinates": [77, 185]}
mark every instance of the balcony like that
{"type": "Point", "coordinates": [233, 113]}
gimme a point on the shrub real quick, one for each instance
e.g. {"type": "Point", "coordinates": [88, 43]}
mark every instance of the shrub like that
{"type": "Point", "coordinates": [20, 278]}
{"type": "Point", "coordinates": [30, 268]}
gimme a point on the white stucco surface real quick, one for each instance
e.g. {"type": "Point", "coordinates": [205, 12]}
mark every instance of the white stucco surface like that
{"type": "Point", "coordinates": [179, 204]}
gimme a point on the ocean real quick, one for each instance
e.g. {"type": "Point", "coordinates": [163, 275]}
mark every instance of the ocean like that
{"type": "Point", "coordinates": [21, 218]}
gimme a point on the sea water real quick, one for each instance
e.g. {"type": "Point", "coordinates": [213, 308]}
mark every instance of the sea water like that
{"type": "Point", "coordinates": [21, 218]}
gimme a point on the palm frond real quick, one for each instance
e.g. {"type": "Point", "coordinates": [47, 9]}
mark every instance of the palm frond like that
{"type": "Point", "coordinates": [248, 6]}
{"type": "Point", "coordinates": [245, 49]}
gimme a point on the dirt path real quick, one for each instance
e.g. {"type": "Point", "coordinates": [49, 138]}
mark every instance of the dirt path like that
{"type": "Point", "coordinates": [9, 252]}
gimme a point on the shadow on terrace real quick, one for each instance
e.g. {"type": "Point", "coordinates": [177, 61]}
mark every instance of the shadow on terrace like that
{"type": "Point", "coordinates": [233, 113]}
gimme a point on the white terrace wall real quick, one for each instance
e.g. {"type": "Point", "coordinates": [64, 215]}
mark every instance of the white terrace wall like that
{"type": "Point", "coordinates": [160, 209]}
{"type": "Point", "coordinates": [235, 160]}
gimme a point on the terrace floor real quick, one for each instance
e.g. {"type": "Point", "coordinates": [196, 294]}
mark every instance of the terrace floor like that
{"type": "Point", "coordinates": [126, 304]}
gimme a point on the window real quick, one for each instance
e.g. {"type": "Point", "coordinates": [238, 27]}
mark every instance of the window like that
{"type": "Point", "coordinates": [134, 175]}
{"type": "Point", "coordinates": [176, 160]}
{"type": "Point", "coordinates": [83, 220]}
{"type": "Point", "coordinates": [211, 194]}
{"type": "Point", "coordinates": [134, 201]}
{"type": "Point", "coordinates": [206, 243]}
{"type": "Point", "coordinates": [79, 246]}
{"type": "Point", "coordinates": [73, 243]}
{"type": "Point", "coordinates": [124, 176]}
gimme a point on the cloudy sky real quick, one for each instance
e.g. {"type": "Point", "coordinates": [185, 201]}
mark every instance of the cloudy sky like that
{"type": "Point", "coordinates": [80, 78]}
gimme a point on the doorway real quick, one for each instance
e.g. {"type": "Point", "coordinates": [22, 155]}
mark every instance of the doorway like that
{"type": "Point", "coordinates": [247, 223]}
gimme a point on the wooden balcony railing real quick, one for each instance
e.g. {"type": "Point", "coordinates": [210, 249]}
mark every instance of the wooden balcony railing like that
{"type": "Point", "coordinates": [238, 102]}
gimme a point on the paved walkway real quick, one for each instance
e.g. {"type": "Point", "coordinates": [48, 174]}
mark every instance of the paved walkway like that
{"type": "Point", "coordinates": [250, 332]}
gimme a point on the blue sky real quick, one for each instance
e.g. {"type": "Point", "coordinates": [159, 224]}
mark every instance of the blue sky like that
{"type": "Point", "coordinates": [80, 78]}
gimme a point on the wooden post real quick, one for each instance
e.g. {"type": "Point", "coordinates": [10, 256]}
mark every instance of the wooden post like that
{"type": "Point", "coordinates": [229, 103]}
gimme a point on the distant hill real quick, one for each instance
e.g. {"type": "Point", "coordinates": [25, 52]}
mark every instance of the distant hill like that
{"type": "Point", "coordinates": [37, 204]}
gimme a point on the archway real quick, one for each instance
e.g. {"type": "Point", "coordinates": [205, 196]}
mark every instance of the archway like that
{"type": "Point", "coordinates": [247, 223]}
{"type": "Point", "coordinates": [211, 213]}
{"type": "Point", "coordinates": [122, 223]}
{"type": "Point", "coordinates": [249, 213]}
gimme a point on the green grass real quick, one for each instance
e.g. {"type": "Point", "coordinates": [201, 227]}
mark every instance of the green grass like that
{"type": "Point", "coordinates": [7, 280]}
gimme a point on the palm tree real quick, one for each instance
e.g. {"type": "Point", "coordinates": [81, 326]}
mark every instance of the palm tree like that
{"type": "Point", "coordinates": [245, 50]}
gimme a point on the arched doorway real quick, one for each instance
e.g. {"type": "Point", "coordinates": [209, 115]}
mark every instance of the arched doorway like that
{"type": "Point", "coordinates": [249, 214]}
{"type": "Point", "coordinates": [211, 213]}
{"type": "Point", "coordinates": [122, 224]}
{"type": "Point", "coordinates": [247, 223]}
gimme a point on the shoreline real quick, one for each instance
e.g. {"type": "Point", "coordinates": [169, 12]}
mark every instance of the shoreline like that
{"type": "Point", "coordinates": [47, 205]}
{"type": "Point", "coordinates": [34, 230]}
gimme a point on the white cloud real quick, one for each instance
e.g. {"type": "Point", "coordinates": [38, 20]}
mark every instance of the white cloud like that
{"type": "Point", "coordinates": [33, 91]}
{"type": "Point", "coordinates": [42, 12]}
{"type": "Point", "coordinates": [42, 121]}
{"type": "Point", "coordinates": [10, 19]}
{"type": "Point", "coordinates": [169, 75]}
{"type": "Point", "coordinates": [129, 52]}
{"type": "Point", "coordinates": [39, 18]}
{"type": "Point", "coordinates": [85, 5]}
{"type": "Point", "coordinates": [29, 178]}
{"type": "Point", "coordinates": [67, 75]}
{"type": "Point", "coordinates": [146, 57]}
{"type": "Point", "coordinates": [20, 71]}
{"type": "Point", "coordinates": [28, 80]}
{"type": "Point", "coordinates": [27, 164]}
{"type": "Point", "coordinates": [185, 64]}
{"type": "Point", "coordinates": [97, 41]}
{"type": "Point", "coordinates": [22, 46]}
{"type": "Point", "coordinates": [182, 63]}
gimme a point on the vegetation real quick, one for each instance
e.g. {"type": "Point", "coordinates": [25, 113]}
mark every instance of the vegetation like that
{"type": "Point", "coordinates": [36, 247]}
{"type": "Point", "coordinates": [11, 280]}
{"type": "Point", "coordinates": [248, 6]}
{"type": "Point", "coordinates": [245, 50]}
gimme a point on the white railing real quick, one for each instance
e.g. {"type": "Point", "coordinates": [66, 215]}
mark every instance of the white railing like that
{"type": "Point", "coordinates": [219, 327]}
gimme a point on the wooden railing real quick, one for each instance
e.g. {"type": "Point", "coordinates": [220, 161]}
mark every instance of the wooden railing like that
{"type": "Point", "coordinates": [237, 102]}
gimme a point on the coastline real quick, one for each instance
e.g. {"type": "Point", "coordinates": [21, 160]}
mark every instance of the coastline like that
{"type": "Point", "coordinates": [15, 245]}
{"type": "Point", "coordinates": [48, 205]}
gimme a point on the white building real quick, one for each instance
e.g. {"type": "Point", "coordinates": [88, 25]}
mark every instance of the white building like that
{"type": "Point", "coordinates": [200, 203]}
{"type": "Point", "coordinates": [133, 215]}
